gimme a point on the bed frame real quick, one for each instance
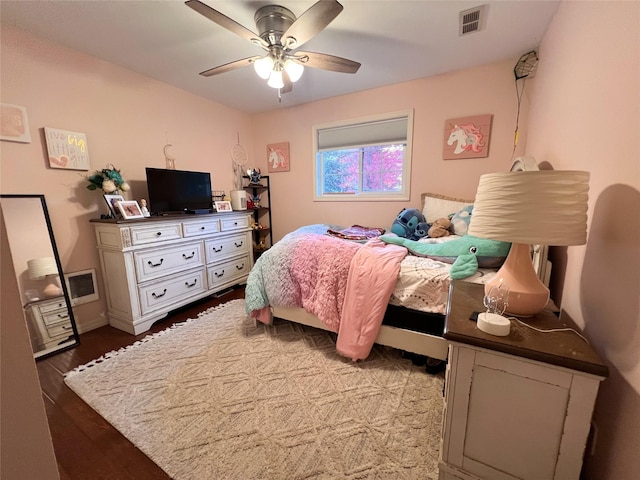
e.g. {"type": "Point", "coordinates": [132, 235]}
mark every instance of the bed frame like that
{"type": "Point", "coordinates": [429, 345]}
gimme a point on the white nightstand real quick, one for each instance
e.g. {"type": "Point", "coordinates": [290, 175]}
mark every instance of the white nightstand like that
{"type": "Point", "coordinates": [51, 321]}
{"type": "Point", "coordinates": [516, 407]}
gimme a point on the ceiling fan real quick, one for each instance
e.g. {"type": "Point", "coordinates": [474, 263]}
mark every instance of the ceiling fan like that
{"type": "Point", "coordinates": [280, 34]}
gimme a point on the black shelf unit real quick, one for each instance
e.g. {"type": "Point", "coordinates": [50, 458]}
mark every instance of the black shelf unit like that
{"type": "Point", "coordinates": [262, 239]}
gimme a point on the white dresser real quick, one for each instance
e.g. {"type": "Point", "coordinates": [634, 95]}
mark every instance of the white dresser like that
{"type": "Point", "coordinates": [154, 265]}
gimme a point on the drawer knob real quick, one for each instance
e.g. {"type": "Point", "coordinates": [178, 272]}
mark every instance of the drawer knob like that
{"type": "Point", "coordinates": [158, 295]}
{"type": "Point", "coordinates": [240, 267]}
{"type": "Point", "coordinates": [238, 244]}
{"type": "Point", "coordinates": [189, 285]}
{"type": "Point", "coordinates": [216, 250]}
{"type": "Point", "coordinates": [155, 264]}
{"type": "Point", "coordinates": [235, 223]}
{"type": "Point", "coordinates": [158, 233]}
{"type": "Point", "coordinates": [193, 254]}
{"type": "Point", "coordinates": [202, 228]}
{"type": "Point", "coordinates": [63, 315]}
{"type": "Point", "coordinates": [219, 275]}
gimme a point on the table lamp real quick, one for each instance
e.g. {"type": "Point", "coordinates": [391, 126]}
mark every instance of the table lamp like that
{"type": "Point", "coordinates": [45, 268]}
{"type": "Point", "coordinates": [546, 207]}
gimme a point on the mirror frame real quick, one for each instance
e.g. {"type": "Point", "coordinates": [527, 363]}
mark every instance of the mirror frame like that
{"type": "Point", "coordinates": [63, 285]}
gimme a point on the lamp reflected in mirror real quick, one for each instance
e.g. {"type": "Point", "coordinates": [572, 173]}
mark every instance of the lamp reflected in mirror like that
{"type": "Point", "coordinates": [45, 268]}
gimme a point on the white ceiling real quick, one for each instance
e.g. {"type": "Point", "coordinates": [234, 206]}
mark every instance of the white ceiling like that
{"type": "Point", "coordinates": [394, 40]}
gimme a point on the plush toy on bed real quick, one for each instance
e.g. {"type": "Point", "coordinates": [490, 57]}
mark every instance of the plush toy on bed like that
{"type": "Point", "coordinates": [439, 228]}
{"type": "Point", "coordinates": [406, 222]}
{"type": "Point", "coordinates": [466, 253]}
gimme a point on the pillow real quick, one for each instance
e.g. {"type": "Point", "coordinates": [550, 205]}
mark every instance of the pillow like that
{"type": "Point", "coordinates": [460, 221]}
{"type": "Point", "coordinates": [436, 206]}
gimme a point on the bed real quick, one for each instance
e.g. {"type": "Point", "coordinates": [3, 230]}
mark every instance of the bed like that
{"type": "Point", "coordinates": [307, 275]}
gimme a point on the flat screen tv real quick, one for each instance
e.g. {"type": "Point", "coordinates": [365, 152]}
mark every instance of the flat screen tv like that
{"type": "Point", "coordinates": [178, 191]}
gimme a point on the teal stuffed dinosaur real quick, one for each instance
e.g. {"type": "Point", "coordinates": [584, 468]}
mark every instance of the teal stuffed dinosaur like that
{"type": "Point", "coordinates": [466, 253]}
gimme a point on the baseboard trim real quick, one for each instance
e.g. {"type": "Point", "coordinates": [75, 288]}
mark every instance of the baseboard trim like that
{"type": "Point", "coordinates": [92, 324]}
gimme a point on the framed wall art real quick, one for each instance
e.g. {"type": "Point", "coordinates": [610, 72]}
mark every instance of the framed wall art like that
{"type": "Point", "coordinates": [67, 149]}
{"type": "Point", "coordinates": [467, 137]}
{"type": "Point", "coordinates": [278, 157]}
{"type": "Point", "coordinates": [14, 123]}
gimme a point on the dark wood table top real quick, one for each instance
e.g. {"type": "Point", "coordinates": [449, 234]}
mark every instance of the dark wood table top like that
{"type": "Point", "coordinates": [565, 349]}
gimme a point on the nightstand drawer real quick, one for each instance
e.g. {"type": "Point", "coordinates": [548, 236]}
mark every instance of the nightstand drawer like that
{"type": "Point", "coordinates": [61, 330]}
{"type": "Point", "coordinates": [52, 306]}
{"type": "Point", "coordinates": [61, 315]}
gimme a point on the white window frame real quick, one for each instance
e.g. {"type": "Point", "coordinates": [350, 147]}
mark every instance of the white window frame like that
{"type": "Point", "coordinates": [403, 195]}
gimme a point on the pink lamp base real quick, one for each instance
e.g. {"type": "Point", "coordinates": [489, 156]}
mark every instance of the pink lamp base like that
{"type": "Point", "coordinates": [527, 294]}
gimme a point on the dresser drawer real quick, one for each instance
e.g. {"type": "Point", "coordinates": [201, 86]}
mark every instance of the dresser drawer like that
{"type": "Point", "coordinates": [191, 229]}
{"type": "Point", "coordinates": [228, 271]}
{"type": "Point", "coordinates": [174, 290]}
{"type": "Point", "coordinates": [234, 223]}
{"type": "Point", "coordinates": [158, 262]}
{"type": "Point", "coordinates": [155, 233]}
{"type": "Point", "coordinates": [218, 249]}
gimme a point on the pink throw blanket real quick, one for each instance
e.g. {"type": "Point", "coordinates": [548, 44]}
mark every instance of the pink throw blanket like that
{"type": "Point", "coordinates": [345, 284]}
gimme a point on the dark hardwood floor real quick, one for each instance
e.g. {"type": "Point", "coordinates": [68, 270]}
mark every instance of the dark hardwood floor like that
{"type": "Point", "coordinates": [86, 445]}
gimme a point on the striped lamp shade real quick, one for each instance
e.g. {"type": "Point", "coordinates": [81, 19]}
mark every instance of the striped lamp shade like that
{"type": "Point", "coordinates": [39, 268]}
{"type": "Point", "coordinates": [546, 207]}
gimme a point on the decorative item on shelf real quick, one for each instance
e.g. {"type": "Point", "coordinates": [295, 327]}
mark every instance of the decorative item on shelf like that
{"type": "Point", "coordinates": [546, 207]}
{"type": "Point", "coordinates": [250, 204]}
{"type": "Point", "coordinates": [254, 176]}
{"type": "Point", "coordinates": [255, 200]}
{"type": "Point", "coordinates": [109, 180]}
{"type": "Point", "coordinates": [45, 268]}
{"type": "Point", "coordinates": [112, 203]}
{"type": "Point", "coordinates": [130, 209]}
{"type": "Point", "coordinates": [144, 209]}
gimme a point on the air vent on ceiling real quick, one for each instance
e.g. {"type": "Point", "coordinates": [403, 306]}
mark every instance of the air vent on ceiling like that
{"type": "Point", "coordinates": [472, 20]}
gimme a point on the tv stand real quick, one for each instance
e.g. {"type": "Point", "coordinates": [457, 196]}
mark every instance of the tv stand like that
{"type": "Point", "coordinates": [154, 265]}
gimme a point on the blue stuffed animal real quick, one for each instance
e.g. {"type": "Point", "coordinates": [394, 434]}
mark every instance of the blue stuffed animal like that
{"type": "Point", "coordinates": [406, 222]}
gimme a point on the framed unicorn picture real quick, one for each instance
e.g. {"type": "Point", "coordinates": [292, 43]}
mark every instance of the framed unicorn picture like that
{"type": "Point", "coordinates": [278, 157]}
{"type": "Point", "coordinates": [467, 137]}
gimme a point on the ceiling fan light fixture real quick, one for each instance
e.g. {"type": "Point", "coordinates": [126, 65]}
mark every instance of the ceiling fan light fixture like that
{"type": "Point", "coordinates": [293, 69]}
{"type": "Point", "coordinates": [263, 66]}
{"type": "Point", "coordinates": [275, 79]}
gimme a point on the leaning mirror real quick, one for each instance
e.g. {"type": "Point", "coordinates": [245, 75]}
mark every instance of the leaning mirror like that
{"type": "Point", "coordinates": [38, 271]}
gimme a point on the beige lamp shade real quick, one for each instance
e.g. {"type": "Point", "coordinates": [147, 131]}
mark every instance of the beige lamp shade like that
{"type": "Point", "coordinates": [39, 268]}
{"type": "Point", "coordinates": [45, 268]}
{"type": "Point", "coordinates": [547, 207]}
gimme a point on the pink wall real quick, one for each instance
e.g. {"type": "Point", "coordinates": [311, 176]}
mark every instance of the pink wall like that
{"type": "Point", "coordinates": [127, 118]}
{"type": "Point", "coordinates": [585, 115]}
{"type": "Point", "coordinates": [487, 89]}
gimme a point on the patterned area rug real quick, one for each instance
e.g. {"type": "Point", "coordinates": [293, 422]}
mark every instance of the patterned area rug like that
{"type": "Point", "coordinates": [218, 397]}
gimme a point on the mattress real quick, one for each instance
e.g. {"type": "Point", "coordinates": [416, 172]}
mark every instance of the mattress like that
{"type": "Point", "coordinates": [423, 283]}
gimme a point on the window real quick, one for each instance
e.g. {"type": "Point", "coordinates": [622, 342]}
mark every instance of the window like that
{"type": "Point", "coordinates": [363, 160]}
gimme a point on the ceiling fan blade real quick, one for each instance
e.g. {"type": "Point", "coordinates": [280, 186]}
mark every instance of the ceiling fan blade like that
{"type": "Point", "coordinates": [226, 22]}
{"type": "Point", "coordinates": [310, 23]}
{"type": "Point", "coordinates": [229, 66]}
{"type": "Point", "coordinates": [327, 62]}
